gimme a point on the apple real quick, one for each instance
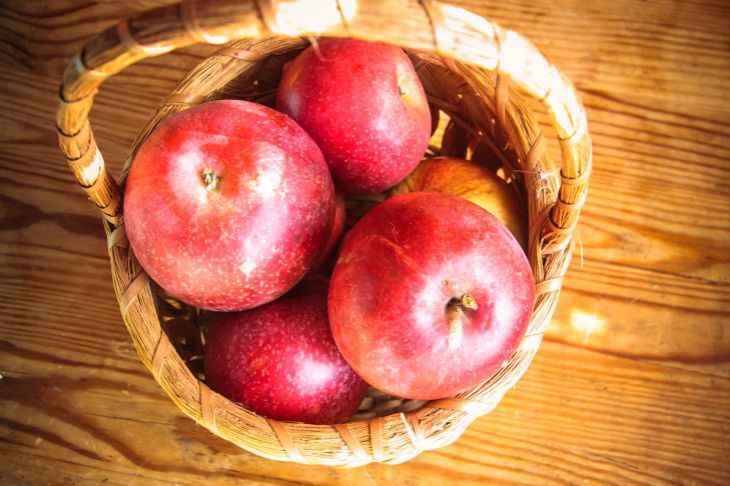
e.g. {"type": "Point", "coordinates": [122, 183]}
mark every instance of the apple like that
{"type": "Point", "coordinates": [280, 361]}
{"type": "Point", "coordinates": [473, 182]}
{"type": "Point", "coordinates": [228, 204]}
{"type": "Point", "coordinates": [363, 104]}
{"type": "Point", "coordinates": [430, 295]}
{"type": "Point", "coordinates": [338, 227]}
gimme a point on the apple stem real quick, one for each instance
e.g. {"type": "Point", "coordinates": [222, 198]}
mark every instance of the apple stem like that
{"type": "Point", "coordinates": [468, 302]}
{"type": "Point", "coordinates": [455, 310]}
{"type": "Point", "coordinates": [456, 330]}
{"type": "Point", "coordinates": [211, 179]}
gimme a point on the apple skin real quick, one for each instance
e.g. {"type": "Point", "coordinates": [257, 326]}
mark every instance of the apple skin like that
{"type": "Point", "coordinates": [472, 182]}
{"type": "Point", "coordinates": [280, 360]}
{"type": "Point", "coordinates": [347, 95]}
{"type": "Point", "coordinates": [398, 303]}
{"type": "Point", "coordinates": [338, 227]}
{"type": "Point", "coordinates": [241, 240]}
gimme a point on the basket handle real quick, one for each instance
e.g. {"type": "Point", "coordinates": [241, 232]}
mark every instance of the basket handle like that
{"type": "Point", "coordinates": [446, 30]}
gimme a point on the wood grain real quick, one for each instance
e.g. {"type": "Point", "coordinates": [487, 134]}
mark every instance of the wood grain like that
{"type": "Point", "coordinates": [632, 385]}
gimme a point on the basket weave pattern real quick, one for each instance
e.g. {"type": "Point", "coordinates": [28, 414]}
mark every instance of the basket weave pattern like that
{"type": "Point", "coordinates": [468, 67]}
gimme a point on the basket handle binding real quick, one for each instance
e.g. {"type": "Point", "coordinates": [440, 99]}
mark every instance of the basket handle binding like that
{"type": "Point", "coordinates": [427, 26]}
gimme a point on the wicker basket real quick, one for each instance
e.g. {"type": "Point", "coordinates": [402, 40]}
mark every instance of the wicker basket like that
{"type": "Point", "coordinates": [468, 67]}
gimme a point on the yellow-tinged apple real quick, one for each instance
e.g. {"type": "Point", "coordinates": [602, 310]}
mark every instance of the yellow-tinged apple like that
{"type": "Point", "coordinates": [473, 182]}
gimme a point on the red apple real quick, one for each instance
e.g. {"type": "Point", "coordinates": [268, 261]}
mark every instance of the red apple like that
{"type": "Point", "coordinates": [228, 205]}
{"type": "Point", "coordinates": [364, 105]}
{"type": "Point", "coordinates": [473, 182]}
{"type": "Point", "coordinates": [338, 227]}
{"type": "Point", "coordinates": [280, 360]}
{"type": "Point", "coordinates": [430, 295]}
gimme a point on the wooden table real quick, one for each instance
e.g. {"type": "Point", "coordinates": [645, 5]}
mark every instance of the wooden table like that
{"type": "Point", "coordinates": [632, 383]}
